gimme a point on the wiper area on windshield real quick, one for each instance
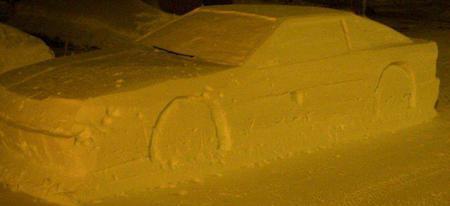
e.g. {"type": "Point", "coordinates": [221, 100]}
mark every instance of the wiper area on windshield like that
{"type": "Point", "coordinates": [173, 52]}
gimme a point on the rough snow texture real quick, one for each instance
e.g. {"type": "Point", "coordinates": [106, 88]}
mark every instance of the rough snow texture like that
{"type": "Point", "coordinates": [104, 24]}
{"type": "Point", "coordinates": [19, 49]}
{"type": "Point", "coordinates": [101, 123]}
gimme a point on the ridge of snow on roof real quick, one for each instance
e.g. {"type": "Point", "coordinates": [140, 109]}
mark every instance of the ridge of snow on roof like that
{"type": "Point", "coordinates": [276, 11]}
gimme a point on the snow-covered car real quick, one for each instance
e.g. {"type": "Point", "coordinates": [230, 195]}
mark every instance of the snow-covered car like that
{"type": "Point", "coordinates": [101, 24]}
{"type": "Point", "coordinates": [223, 87]}
{"type": "Point", "coordinates": [19, 49]}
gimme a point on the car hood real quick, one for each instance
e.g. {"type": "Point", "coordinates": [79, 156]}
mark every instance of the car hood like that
{"type": "Point", "coordinates": [48, 97]}
{"type": "Point", "coordinates": [101, 73]}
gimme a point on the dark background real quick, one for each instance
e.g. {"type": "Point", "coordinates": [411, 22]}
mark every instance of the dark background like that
{"type": "Point", "coordinates": [435, 9]}
{"type": "Point", "coordinates": [413, 8]}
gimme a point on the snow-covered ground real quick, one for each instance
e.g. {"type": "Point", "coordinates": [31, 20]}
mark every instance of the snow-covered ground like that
{"type": "Point", "coordinates": [410, 167]}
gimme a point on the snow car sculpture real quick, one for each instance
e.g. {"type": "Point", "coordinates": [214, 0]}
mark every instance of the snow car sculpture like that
{"type": "Point", "coordinates": [223, 87]}
{"type": "Point", "coordinates": [20, 49]}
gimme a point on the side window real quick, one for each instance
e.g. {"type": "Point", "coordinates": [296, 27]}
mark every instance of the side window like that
{"type": "Point", "coordinates": [296, 41]}
{"type": "Point", "coordinates": [366, 34]}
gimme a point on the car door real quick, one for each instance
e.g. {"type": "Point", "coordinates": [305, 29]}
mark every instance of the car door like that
{"type": "Point", "coordinates": [307, 60]}
{"type": "Point", "coordinates": [302, 85]}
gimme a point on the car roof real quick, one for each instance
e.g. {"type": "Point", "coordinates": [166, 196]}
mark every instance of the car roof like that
{"type": "Point", "coordinates": [277, 11]}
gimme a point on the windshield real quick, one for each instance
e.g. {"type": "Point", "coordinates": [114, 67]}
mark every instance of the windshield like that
{"type": "Point", "coordinates": [217, 36]}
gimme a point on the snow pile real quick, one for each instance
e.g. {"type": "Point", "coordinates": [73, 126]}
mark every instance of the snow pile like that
{"type": "Point", "coordinates": [104, 24]}
{"type": "Point", "coordinates": [20, 49]}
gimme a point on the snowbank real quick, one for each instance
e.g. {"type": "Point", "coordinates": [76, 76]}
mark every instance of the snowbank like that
{"type": "Point", "coordinates": [19, 49]}
{"type": "Point", "coordinates": [104, 24]}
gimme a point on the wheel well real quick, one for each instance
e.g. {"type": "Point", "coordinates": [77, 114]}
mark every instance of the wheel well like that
{"type": "Point", "coordinates": [209, 118]}
{"type": "Point", "coordinates": [407, 69]}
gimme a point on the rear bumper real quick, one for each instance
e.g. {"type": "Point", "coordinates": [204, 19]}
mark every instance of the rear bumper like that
{"type": "Point", "coordinates": [55, 117]}
{"type": "Point", "coordinates": [427, 97]}
{"type": "Point", "coordinates": [41, 133]}
{"type": "Point", "coordinates": [40, 165]}
{"type": "Point", "coordinates": [54, 155]}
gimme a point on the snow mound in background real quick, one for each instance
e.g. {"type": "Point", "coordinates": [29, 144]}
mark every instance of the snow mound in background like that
{"type": "Point", "coordinates": [104, 24]}
{"type": "Point", "coordinates": [19, 49]}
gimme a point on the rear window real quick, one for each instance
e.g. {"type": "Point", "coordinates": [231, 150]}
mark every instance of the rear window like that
{"type": "Point", "coordinates": [367, 34]}
{"type": "Point", "coordinates": [304, 40]}
{"type": "Point", "coordinates": [217, 36]}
